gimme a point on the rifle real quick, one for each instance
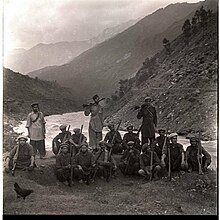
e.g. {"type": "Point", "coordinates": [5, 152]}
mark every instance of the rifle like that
{"type": "Point", "coordinates": [15, 163]}
{"type": "Point", "coordinates": [64, 138]}
{"type": "Point", "coordinates": [151, 161]}
{"type": "Point", "coordinates": [71, 158]}
{"type": "Point", "coordinates": [113, 138]}
{"type": "Point", "coordinates": [199, 154]}
{"type": "Point", "coordinates": [91, 103]}
{"type": "Point", "coordinates": [169, 167]}
{"type": "Point", "coordinates": [136, 140]}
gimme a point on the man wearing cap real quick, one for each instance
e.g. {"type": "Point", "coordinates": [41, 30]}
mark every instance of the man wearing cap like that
{"type": "Point", "coordinates": [159, 142]}
{"type": "Point", "coordinates": [131, 136]}
{"type": "Point", "coordinates": [116, 143]}
{"type": "Point", "coordinates": [84, 163]}
{"type": "Point", "coordinates": [129, 162]}
{"type": "Point", "coordinates": [106, 163]}
{"type": "Point", "coordinates": [149, 115]}
{"type": "Point", "coordinates": [145, 163]}
{"type": "Point", "coordinates": [76, 141]}
{"type": "Point", "coordinates": [36, 130]}
{"type": "Point", "coordinates": [22, 155]}
{"type": "Point", "coordinates": [63, 164]}
{"type": "Point", "coordinates": [62, 137]}
{"type": "Point", "coordinates": [95, 111]}
{"type": "Point", "coordinates": [192, 163]}
{"type": "Point", "coordinates": [176, 154]}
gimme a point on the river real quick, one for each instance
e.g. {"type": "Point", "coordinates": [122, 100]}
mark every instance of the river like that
{"type": "Point", "coordinates": [76, 119]}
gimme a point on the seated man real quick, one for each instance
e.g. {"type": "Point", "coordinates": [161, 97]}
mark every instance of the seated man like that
{"type": "Point", "coordinates": [116, 143]}
{"type": "Point", "coordinates": [62, 137]}
{"type": "Point", "coordinates": [21, 156]}
{"type": "Point", "coordinates": [76, 141]}
{"type": "Point", "coordinates": [129, 162]}
{"type": "Point", "coordinates": [145, 163]}
{"type": "Point", "coordinates": [159, 142]}
{"type": "Point", "coordinates": [63, 164]}
{"type": "Point", "coordinates": [192, 151]}
{"type": "Point", "coordinates": [131, 136]}
{"type": "Point", "coordinates": [106, 163]}
{"type": "Point", "coordinates": [176, 154]}
{"type": "Point", "coordinates": [84, 163]}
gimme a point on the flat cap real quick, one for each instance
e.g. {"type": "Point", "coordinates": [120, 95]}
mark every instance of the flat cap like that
{"type": "Point", "coordinates": [64, 145]}
{"type": "Point", "coordinates": [130, 127]}
{"type": "Point", "coordinates": [130, 143]}
{"type": "Point", "coordinates": [34, 103]}
{"type": "Point", "coordinates": [63, 127]}
{"type": "Point", "coordinates": [76, 129]}
{"type": "Point", "coordinates": [161, 129]}
{"type": "Point", "coordinates": [147, 98]}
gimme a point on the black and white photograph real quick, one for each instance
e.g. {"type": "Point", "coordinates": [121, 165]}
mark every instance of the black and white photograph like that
{"type": "Point", "coordinates": [110, 107]}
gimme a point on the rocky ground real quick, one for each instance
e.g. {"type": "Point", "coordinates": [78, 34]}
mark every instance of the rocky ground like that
{"type": "Point", "coordinates": [189, 194]}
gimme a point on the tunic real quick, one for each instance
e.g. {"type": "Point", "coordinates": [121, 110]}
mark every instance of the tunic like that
{"type": "Point", "coordinates": [36, 128]}
{"type": "Point", "coordinates": [24, 155]}
{"type": "Point", "coordinates": [148, 113]}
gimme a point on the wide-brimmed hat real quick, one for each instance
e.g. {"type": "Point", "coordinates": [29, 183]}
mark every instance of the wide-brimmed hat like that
{"type": "Point", "coordinates": [161, 129]}
{"type": "Point", "coordinates": [148, 98]}
{"type": "Point", "coordinates": [173, 135]}
{"type": "Point", "coordinates": [130, 127]}
{"type": "Point", "coordinates": [22, 137]}
{"type": "Point", "coordinates": [34, 103]}
{"type": "Point", "coordinates": [64, 145]}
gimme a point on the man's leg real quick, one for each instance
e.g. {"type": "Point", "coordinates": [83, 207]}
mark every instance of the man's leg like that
{"type": "Point", "coordinates": [144, 140]}
{"type": "Point", "coordinates": [92, 138]}
{"type": "Point", "coordinates": [34, 145]}
{"type": "Point", "coordinates": [41, 148]}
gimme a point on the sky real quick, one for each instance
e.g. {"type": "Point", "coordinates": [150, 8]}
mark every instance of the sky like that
{"type": "Point", "coordinates": [29, 22]}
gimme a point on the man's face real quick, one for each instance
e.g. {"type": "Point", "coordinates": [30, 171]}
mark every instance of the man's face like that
{"type": "Point", "coordinates": [112, 127]}
{"type": "Point", "coordinates": [148, 101]}
{"type": "Point", "coordinates": [22, 142]}
{"type": "Point", "coordinates": [130, 130]}
{"type": "Point", "coordinates": [193, 143]}
{"type": "Point", "coordinates": [65, 150]}
{"type": "Point", "coordinates": [35, 108]}
{"type": "Point", "coordinates": [84, 148]}
{"type": "Point", "coordinates": [96, 99]}
{"type": "Point", "coordinates": [161, 133]}
{"type": "Point", "coordinates": [77, 132]}
{"type": "Point", "coordinates": [174, 140]}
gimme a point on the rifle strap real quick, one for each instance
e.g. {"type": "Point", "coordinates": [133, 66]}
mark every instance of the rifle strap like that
{"type": "Point", "coordinates": [38, 115]}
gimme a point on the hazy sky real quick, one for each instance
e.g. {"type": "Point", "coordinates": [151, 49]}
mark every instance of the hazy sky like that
{"type": "Point", "coordinates": [29, 22]}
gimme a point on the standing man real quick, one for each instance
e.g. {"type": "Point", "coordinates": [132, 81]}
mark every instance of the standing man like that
{"type": "Point", "coordinates": [96, 121]}
{"type": "Point", "coordinates": [36, 130]}
{"type": "Point", "coordinates": [149, 115]}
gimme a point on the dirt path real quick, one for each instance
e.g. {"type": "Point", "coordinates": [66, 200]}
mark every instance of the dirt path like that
{"type": "Point", "coordinates": [190, 194]}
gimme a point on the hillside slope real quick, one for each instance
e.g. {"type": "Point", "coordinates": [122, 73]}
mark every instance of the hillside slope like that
{"type": "Point", "coordinates": [121, 56]}
{"type": "Point", "coordinates": [183, 84]}
{"type": "Point", "coordinates": [19, 91]}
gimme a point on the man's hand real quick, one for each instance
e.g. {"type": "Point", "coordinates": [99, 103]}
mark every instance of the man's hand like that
{"type": "Point", "coordinates": [163, 163]}
{"type": "Point", "coordinates": [30, 168]}
{"type": "Point", "coordinates": [80, 168]}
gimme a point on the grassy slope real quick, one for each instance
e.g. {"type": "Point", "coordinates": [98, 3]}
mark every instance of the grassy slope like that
{"type": "Point", "coordinates": [122, 195]}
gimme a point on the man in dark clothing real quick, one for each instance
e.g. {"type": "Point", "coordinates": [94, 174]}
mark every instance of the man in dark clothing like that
{"type": "Point", "coordinates": [62, 137]}
{"type": "Point", "coordinates": [105, 162]}
{"type": "Point", "coordinates": [129, 162]}
{"type": "Point", "coordinates": [63, 164]}
{"type": "Point", "coordinates": [22, 155]}
{"type": "Point", "coordinates": [145, 163]}
{"type": "Point", "coordinates": [131, 136]}
{"type": "Point", "coordinates": [176, 154]}
{"type": "Point", "coordinates": [76, 141]}
{"type": "Point", "coordinates": [192, 163]}
{"type": "Point", "coordinates": [149, 115]}
{"type": "Point", "coordinates": [84, 163]}
{"type": "Point", "coordinates": [116, 144]}
{"type": "Point", "coordinates": [159, 142]}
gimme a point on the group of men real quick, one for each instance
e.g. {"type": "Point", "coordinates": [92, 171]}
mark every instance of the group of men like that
{"type": "Point", "coordinates": [150, 157]}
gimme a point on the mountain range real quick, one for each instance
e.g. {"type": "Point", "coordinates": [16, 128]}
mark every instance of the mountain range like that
{"type": "Point", "coordinates": [99, 69]}
{"type": "Point", "coordinates": [44, 55]}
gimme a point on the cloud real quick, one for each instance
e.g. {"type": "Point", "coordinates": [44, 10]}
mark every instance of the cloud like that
{"type": "Point", "coordinates": [29, 22]}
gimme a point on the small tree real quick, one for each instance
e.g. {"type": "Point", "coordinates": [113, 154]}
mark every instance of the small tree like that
{"type": "Point", "coordinates": [166, 44]}
{"type": "Point", "coordinates": [186, 30]}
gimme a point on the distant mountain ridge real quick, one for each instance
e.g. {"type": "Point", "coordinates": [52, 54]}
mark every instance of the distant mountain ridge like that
{"type": "Point", "coordinates": [99, 69]}
{"type": "Point", "coordinates": [43, 55]}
